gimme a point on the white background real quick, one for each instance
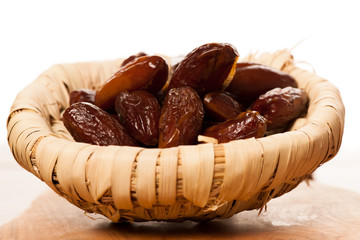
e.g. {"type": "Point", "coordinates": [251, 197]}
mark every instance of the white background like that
{"type": "Point", "coordinates": [37, 34]}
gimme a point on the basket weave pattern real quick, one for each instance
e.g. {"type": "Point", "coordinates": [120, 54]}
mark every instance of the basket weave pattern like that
{"type": "Point", "coordinates": [199, 182]}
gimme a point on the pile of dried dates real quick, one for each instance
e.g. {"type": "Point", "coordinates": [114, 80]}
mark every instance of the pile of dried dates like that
{"type": "Point", "coordinates": [208, 93]}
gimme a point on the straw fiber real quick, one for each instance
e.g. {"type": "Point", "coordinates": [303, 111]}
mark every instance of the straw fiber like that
{"type": "Point", "coordinates": [199, 182]}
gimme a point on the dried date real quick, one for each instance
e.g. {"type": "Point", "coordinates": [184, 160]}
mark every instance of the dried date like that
{"type": "Point", "coordinates": [280, 106]}
{"type": "Point", "coordinates": [140, 112]}
{"type": "Point", "coordinates": [245, 125]}
{"type": "Point", "coordinates": [206, 68]}
{"type": "Point", "coordinates": [132, 58]}
{"type": "Point", "coordinates": [181, 117]}
{"type": "Point", "coordinates": [252, 79]}
{"type": "Point", "coordinates": [82, 95]}
{"type": "Point", "coordinates": [144, 73]}
{"type": "Point", "coordinates": [246, 64]}
{"type": "Point", "coordinates": [221, 106]}
{"type": "Point", "coordinates": [90, 124]}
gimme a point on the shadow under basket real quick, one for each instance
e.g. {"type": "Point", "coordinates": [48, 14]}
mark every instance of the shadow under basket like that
{"type": "Point", "coordinates": [198, 182]}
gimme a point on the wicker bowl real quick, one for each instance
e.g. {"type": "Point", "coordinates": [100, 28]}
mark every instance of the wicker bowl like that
{"type": "Point", "coordinates": [199, 182]}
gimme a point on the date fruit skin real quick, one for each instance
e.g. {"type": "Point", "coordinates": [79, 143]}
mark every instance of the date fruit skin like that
{"type": "Point", "coordinates": [280, 106]}
{"type": "Point", "coordinates": [82, 95]}
{"type": "Point", "coordinates": [132, 58]}
{"type": "Point", "coordinates": [246, 125]}
{"type": "Point", "coordinates": [140, 112]}
{"type": "Point", "coordinates": [220, 106]}
{"type": "Point", "coordinates": [206, 68]}
{"type": "Point", "coordinates": [246, 64]}
{"type": "Point", "coordinates": [89, 124]}
{"type": "Point", "coordinates": [181, 117]}
{"type": "Point", "coordinates": [252, 79]}
{"type": "Point", "coordinates": [148, 73]}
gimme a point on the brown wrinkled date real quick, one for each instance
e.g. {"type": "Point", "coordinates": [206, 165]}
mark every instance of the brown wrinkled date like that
{"type": "Point", "coordinates": [245, 125]}
{"type": "Point", "coordinates": [140, 112]}
{"type": "Point", "coordinates": [89, 124]}
{"type": "Point", "coordinates": [181, 117]}
{"type": "Point", "coordinates": [132, 58]}
{"type": "Point", "coordinates": [82, 95]}
{"type": "Point", "coordinates": [221, 106]}
{"type": "Point", "coordinates": [280, 106]}
{"type": "Point", "coordinates": [206, 68]}
{"type": "Point", "coordinates": [253, 79]}
{"type": "Point", "coordinates": [146, 73]}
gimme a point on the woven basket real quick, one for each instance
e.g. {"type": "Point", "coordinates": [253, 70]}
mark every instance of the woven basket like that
{"type": "Point", "coordinates": [199, 182]}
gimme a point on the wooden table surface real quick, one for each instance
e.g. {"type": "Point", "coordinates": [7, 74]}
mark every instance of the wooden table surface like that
{"type": "Point", "coordinates": [308, 212]}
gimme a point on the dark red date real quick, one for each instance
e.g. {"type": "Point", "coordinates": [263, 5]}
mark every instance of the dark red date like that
{"type": "Point", "coordinates": [140, 113]}
{"type": "Point", "coordinates": [132, 58]}
{"type": "Point", "coordinates": [82, 95]}
{"type": "Point", "coordinates": [90, 124]}
{"type": "Point", "coordinates": [252, 79]}
{"type": "Point", "coordinates": [246, 64]}
{"type": "Point", "coordinates": [206, 68]}
{"type": "Point", "coordinates": [181, 117]}
{"type": "Point", "coordinates": [220, 106]}
{"type": "Point", "coordinates": [144, 73]}
{"type": "Point", "coordinates": [245, 125]}
{"type": "Point", "coordinates": [280, 106]}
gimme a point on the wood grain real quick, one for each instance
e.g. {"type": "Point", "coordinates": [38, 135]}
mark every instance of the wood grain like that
{"type": "Point", "coordinates": [308, 212]}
